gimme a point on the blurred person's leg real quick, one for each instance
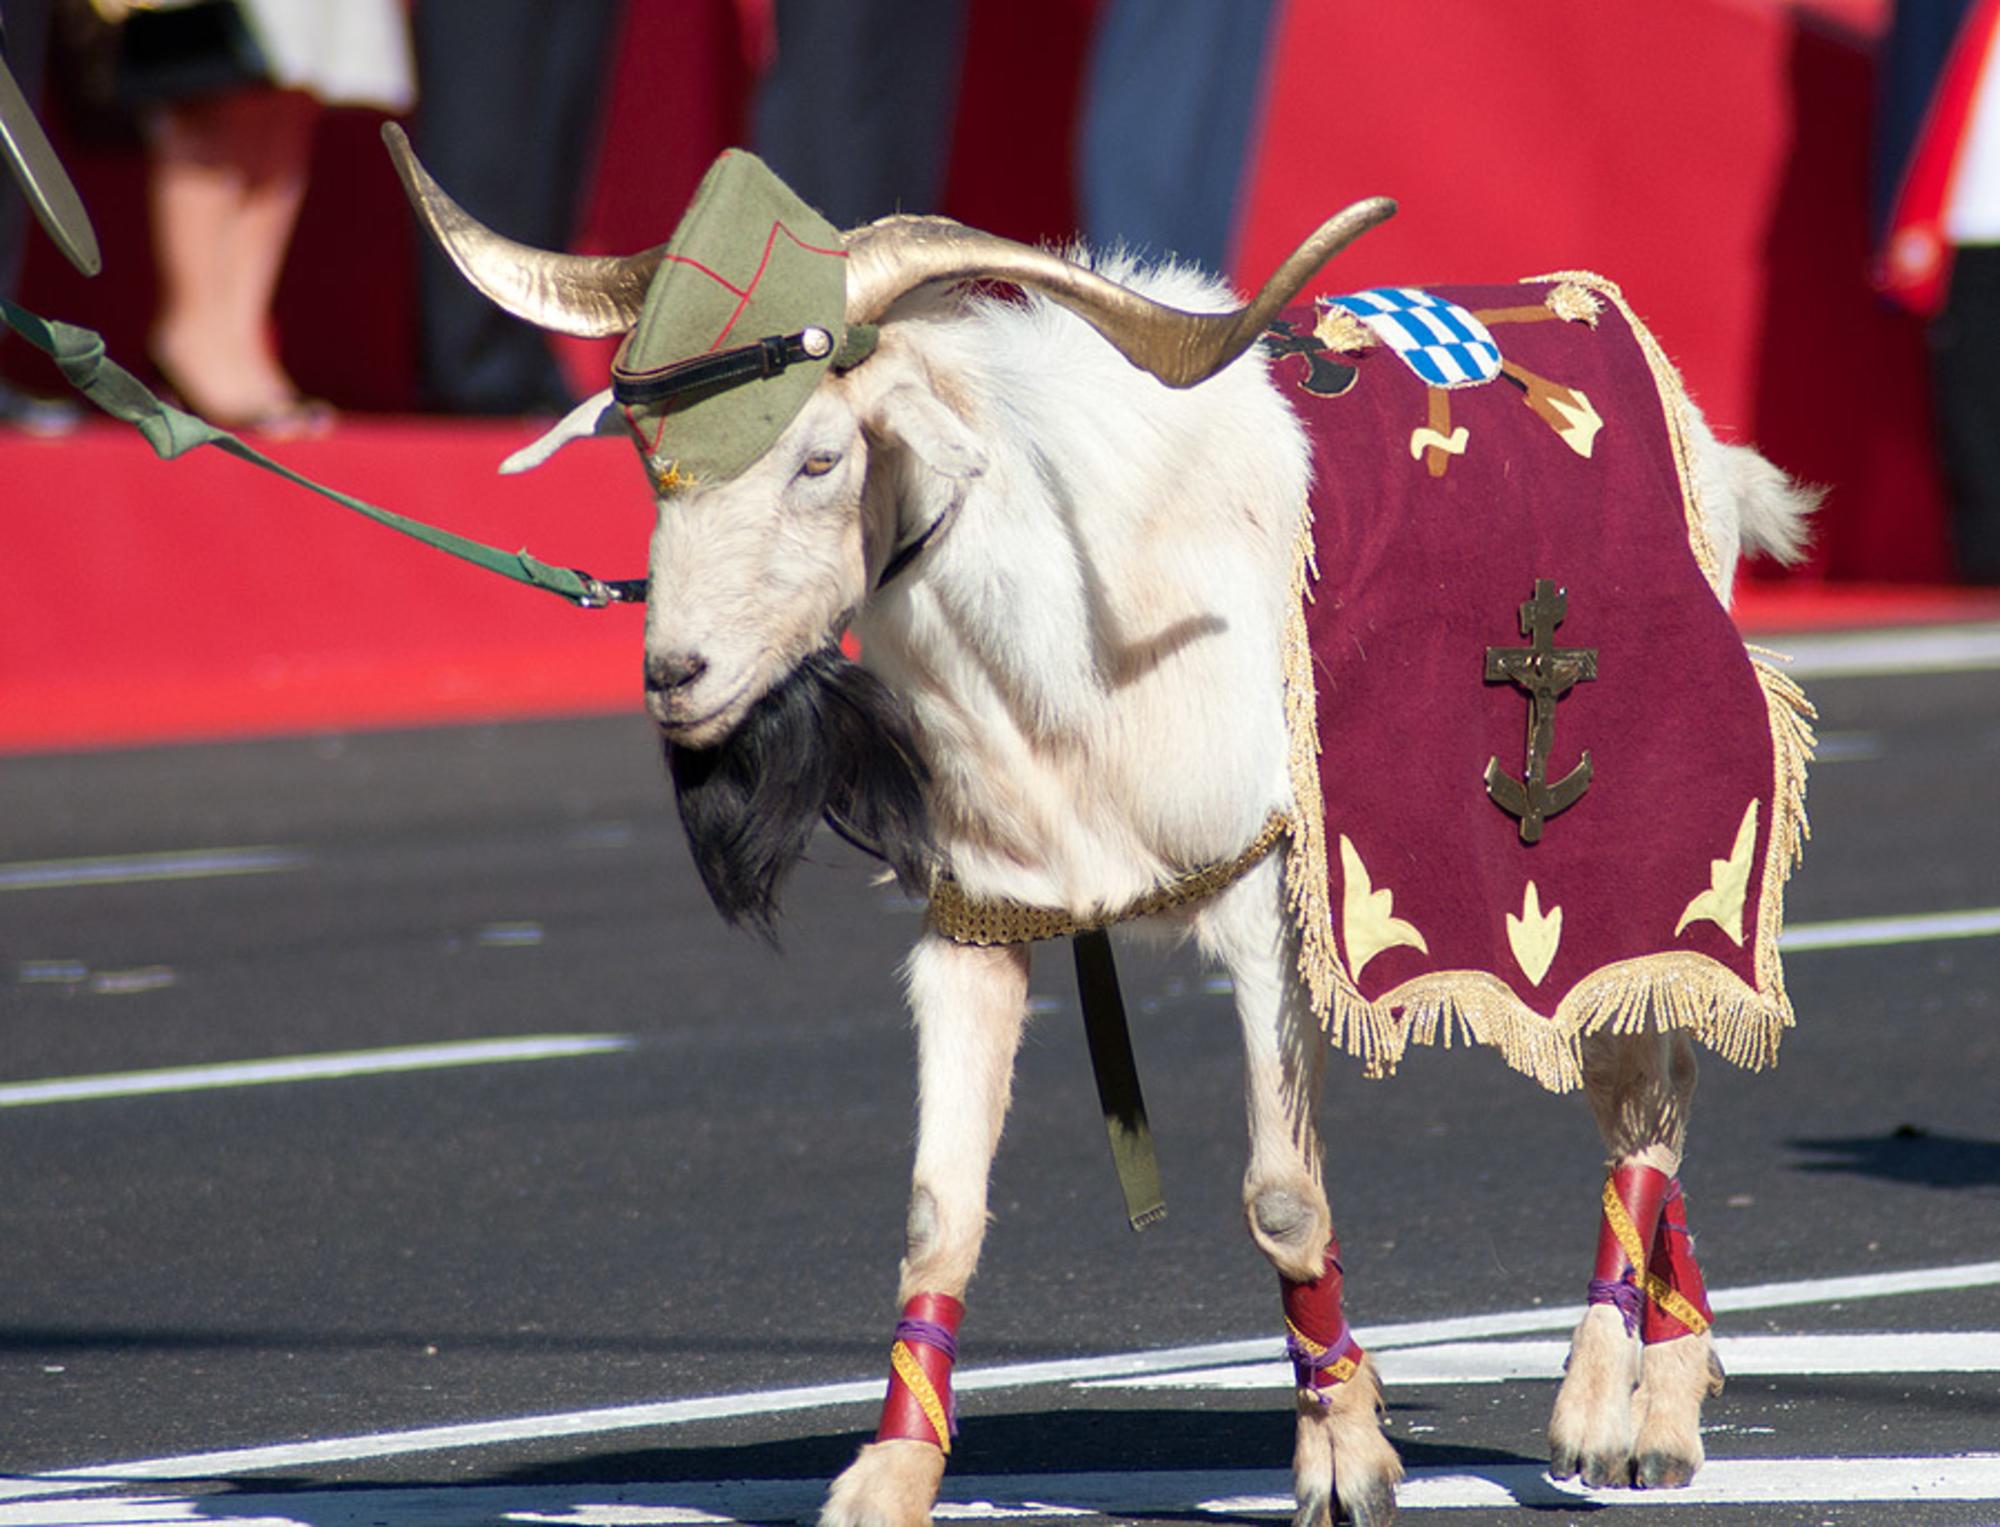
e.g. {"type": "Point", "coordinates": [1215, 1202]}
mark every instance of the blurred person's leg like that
{"type": "Point", "coordinates": [856, 111]}
{"type": "Point", "coordinates": [228, 174]}
{"type": "Point", "coordinates": [1170, 101]}
{"type": "Point", "coordinates": [1965, 360]}
{"type": "Point", "coordinates": [509, 98]}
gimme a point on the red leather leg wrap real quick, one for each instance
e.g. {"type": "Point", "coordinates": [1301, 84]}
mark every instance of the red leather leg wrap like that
{"type": "Point", "coordinates": [1629, 1218]}
{"type": "Point", "coordinates": [1323, 1350]}
{"type": "Point", "coordinates": [919, 1405]}
{"type": "Point", "coordinates": [1673, 1264]}
{"type": "Point", "coordinates": [1642, 1190]}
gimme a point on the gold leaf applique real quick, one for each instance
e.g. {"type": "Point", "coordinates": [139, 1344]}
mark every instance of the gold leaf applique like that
{"type": "Point", "coordinates": [1367, 928]}
{"type": "Point", "coordinates": [1728, 882]}
{"type": "Point", "coordinates": [1535, 935]}
{"type": "Point", "coordinates": [1581, 421]}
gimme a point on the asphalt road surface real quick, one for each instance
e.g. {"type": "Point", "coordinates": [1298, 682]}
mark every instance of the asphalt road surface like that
{"type": "Point", "coordinates": [428, 1153]}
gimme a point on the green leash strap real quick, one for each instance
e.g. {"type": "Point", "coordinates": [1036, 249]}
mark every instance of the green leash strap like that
{"type": "Point", "coordinates": [1117, 1074]}
{"type": "Point", "coordinates": [172, 432]}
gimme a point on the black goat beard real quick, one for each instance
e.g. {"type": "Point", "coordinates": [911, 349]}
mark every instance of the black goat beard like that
{"type": "Point", "coordinates": [830, 742]}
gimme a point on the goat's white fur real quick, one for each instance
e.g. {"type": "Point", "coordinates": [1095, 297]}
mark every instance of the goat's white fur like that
{"type": "Point", "coordinates": [1090, 649]}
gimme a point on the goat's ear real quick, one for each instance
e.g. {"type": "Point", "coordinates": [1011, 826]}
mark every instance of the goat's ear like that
{"type": "Point", "coordinates": [593, 416]}
{"type": "Point", "coordinates": [915, 419]}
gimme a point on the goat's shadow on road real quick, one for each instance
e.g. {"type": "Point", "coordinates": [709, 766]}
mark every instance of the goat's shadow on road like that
{"type": "Point", "coordinates": [784, 1480]}
{"type": "Point", "coordinates": [1908, 1154]}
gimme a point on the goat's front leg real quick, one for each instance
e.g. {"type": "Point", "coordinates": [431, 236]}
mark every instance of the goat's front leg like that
{"type": "Point", "coordinates": [1340, 1452]}
{"type": "Point", "coordinates": [969, 1004]}
{"type": "Point", "coordinates": [1641, 1362]}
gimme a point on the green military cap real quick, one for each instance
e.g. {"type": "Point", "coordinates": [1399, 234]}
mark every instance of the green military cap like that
{"type": "Point", "coordinates": [743, 318]}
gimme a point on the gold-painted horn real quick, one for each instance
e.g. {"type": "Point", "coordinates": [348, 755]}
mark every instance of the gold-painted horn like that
{"type": "Point", "coordinates": [886, 259]}
{"type": "Point", "coordinates": [586, 295]}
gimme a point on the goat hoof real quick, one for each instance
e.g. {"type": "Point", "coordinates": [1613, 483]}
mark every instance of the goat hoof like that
{"type": "Point", "coordinates": [889, 1484]}
{"type": "Point", "coordinates": [1665, 1471]}
{"type": "Point", "coordinates": [1607, 1471]}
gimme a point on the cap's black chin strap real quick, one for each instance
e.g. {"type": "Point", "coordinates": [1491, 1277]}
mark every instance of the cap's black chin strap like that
{"type": "Point", "coordinates": [755, 362]}
{"type": "Point", "coordinates": [900, 560]}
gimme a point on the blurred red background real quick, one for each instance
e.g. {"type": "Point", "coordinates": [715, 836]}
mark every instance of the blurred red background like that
{"type": "Point", "coordinates": [1709, 155]}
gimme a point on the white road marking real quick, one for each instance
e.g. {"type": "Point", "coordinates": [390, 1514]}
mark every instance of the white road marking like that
{"type": "Point", "coordinates": [1925, 649]}
{"type": "Point", "coordinates": [1862, 932]}
{"type": "Point", "coordinates": [309, 1068]}
{"type": "Point", "coordinates": [228, 1463]}
{"type": "Point", "coordinates": [999, 1497]}
{"type": "Point", "coordinates": [1497, 1362]}
{"type": "Point", "coordinates": [133, 869]}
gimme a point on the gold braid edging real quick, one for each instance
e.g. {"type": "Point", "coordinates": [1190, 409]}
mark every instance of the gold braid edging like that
{"type": "Point", "coordinates": [1661, 1292]}
{"type": "Point", "coordinates": [958, 917]}
{"type": "Point", "coordinates": [911, 1372]}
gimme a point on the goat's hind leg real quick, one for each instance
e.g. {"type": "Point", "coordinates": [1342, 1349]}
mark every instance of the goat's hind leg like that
{"type": "Point", "coordinates": [969, 1004]}
{"type": "Point", "coordinates": [1340, 1452]}
{"type": "Point", "coordinates": [1641, 1361]}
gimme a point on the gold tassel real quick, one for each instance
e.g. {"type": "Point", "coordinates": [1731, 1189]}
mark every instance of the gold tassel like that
{"type": "Point", "coordinates": [1342, 332]}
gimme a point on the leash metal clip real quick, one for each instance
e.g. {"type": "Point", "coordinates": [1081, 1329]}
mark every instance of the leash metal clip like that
{"type": "Point", "coordinates": [599, 592]}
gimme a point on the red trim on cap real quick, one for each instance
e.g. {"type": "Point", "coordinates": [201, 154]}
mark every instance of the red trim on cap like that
{"type": "Point", "coordinates": [770, 243]}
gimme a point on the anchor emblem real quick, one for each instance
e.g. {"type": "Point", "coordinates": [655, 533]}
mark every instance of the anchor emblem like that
{"type": "Point", "coordinates": [1546, 672]}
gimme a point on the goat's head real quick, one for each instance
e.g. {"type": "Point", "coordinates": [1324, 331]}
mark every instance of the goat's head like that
{"type": "Point", "coordinates": [795, 452]}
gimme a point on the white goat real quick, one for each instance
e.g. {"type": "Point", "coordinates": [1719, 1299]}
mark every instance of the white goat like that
{"type": "Point", "coordinates": [1089, 652]}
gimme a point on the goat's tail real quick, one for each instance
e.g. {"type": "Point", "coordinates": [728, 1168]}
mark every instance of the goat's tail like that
{"type": "Point", "coordinates": [1772, 509]}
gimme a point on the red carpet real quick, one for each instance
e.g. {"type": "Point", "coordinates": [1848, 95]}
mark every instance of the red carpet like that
{"type": "Point", "coordinates": [154, 601]}
{"type": "Point", "coordinates": [151, 601]}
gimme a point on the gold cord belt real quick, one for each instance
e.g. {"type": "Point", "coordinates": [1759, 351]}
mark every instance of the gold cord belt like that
{"type": "Point", "coordinates": [956, 916]}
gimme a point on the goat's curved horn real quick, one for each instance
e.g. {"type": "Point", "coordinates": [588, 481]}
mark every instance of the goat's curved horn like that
{"type": "Point", "coordinates": [586, 295]}
{"type": "Point", "coordinates": [898, 254]}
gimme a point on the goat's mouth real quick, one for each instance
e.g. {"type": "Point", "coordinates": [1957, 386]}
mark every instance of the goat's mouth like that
{"type": "Point", "coordinates": [706, 729]}
{"type": "Point", "coordinates": [693, 718]}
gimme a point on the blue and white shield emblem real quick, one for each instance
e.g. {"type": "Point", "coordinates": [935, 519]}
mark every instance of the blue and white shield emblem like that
{"type": "Point", "coordinates": [1438, 340]}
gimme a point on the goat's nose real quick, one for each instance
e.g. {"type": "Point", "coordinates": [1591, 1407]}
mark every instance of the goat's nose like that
{"type": "Point", "coordinates": [673, 670]}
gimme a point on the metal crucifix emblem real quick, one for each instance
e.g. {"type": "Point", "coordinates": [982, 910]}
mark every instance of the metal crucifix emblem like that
{"type": "Point", "coordinates": [1546, 672]}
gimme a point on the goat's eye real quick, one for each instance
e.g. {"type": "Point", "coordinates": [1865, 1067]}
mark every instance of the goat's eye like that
{"type": "Point", "coordinates": [820, 463]}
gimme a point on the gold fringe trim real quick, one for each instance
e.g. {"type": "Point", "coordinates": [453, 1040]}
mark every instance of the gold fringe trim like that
{"type": "Point", "coordinates": [1677, 991]}
{"type": "Point", "coordinates": [1350, 1021]}
{"type": "Point", "coordinates": [1672, 991]}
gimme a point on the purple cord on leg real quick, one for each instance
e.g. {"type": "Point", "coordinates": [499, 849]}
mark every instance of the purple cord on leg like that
{"type": "Point", "coordinates": [1627, 1295]}
{"type": "Point", "coordinates": [931, 1334]}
